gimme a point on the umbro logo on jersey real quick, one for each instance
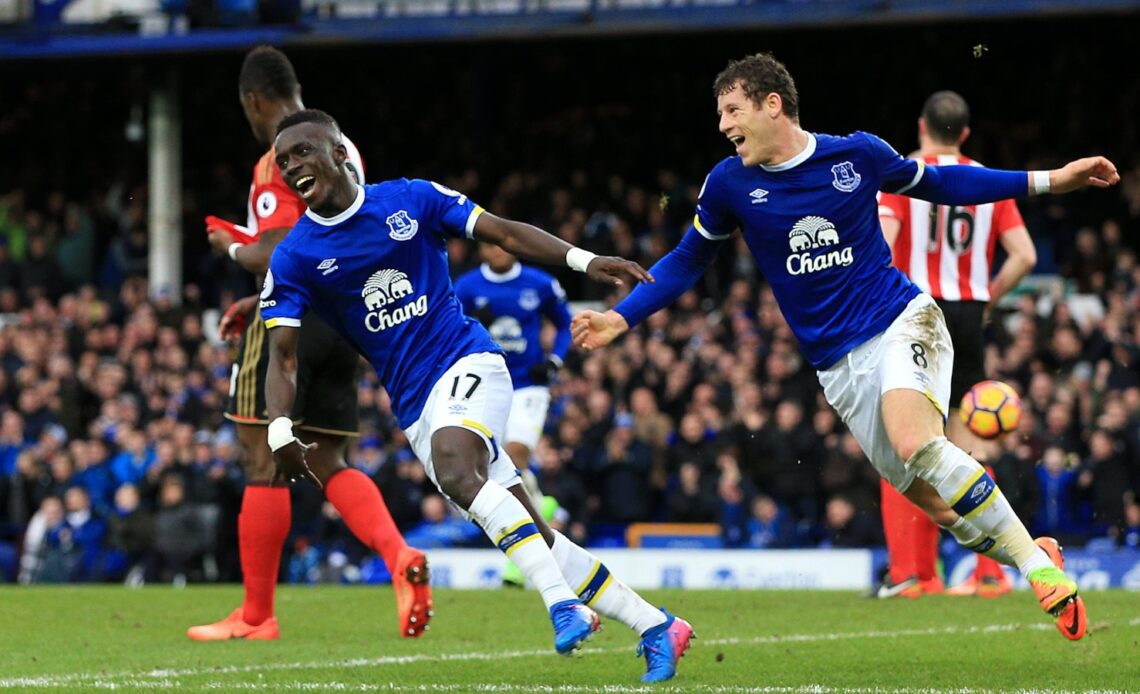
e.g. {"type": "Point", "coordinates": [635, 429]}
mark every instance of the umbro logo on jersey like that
{"type": "Point", "coordinates": [758, 196]}
{"type": "Point", "coordinates": [329, 266]}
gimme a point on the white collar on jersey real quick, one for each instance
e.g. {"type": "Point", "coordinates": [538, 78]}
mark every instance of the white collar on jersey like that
{"type": "Point", "coordinates": [343, 216]}
{"type": "Point", "coordinates": [500, 277]}
{"type": "Point", "coordinates": [796, 160]}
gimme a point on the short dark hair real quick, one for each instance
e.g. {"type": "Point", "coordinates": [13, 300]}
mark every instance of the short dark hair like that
{"type": "Point", "coordinates": [309, 115]}
{"type": "Point", "coordinates": [760, 75]}
{"type": "Point", "coordinates": [266, 71]}
{"type": "Point", "coordinates": [947, 115]}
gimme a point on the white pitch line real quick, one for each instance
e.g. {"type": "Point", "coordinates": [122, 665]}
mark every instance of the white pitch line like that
{"type": "Point", "coordinates": [165, 677]}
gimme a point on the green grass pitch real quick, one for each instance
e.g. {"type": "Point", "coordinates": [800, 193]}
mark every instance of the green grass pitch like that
{"type": "Point", "coordinates": [344, 639]}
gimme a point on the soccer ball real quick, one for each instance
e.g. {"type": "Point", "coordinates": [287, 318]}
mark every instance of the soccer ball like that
{"type": "Point", "coordinates": [990, 409]}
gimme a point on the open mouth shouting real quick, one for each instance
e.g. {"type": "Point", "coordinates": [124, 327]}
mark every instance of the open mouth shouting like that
{"type": "Point", "coordinates": [306, 186]}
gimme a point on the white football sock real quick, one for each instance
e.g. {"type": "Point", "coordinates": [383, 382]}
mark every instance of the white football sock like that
{"type": "Point", "coordinates": [600, 589]}
{"type": "Point", "coordinates": [513, 531]}
{"type": "Point", "coordinates": [966, 486]}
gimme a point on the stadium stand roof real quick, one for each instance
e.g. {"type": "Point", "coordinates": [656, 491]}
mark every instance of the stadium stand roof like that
{"type": "Point", "coordinates": [70, 28]}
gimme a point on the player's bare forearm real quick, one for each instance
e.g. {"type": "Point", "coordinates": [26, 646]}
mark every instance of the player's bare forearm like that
{"type": "Point", "coordinates": [281, 372]}
{"type": "Point", "coordinates": [522, 240]}
{"type": "Point", "coordinates": [531, 243]}
{"type": "Point", "coordinates": [255, 256]}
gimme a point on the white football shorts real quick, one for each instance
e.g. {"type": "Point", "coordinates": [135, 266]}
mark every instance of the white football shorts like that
{"type": "Point", "coordinates": [528, 416]}
{"type": "Point", "coordinates": [914, 352]}
{"type": "Point", "coordinates": [474, 394]}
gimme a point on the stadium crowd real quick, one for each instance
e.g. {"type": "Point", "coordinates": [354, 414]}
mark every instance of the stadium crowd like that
{"type": "Point", "coordinates": [116, 463]}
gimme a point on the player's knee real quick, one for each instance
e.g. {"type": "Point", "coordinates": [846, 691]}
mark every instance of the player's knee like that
{"type": "Point", "coordinates": [455, 460]}
{"type": "Point", "coordinates": [908, 444]}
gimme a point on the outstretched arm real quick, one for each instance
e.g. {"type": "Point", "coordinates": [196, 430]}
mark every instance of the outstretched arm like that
{"type": "Point", "coordinates": [678, 270]}
{"type": "Point", "coordinates": [280, 392]}
{"type": "Point", "coordinates": [974, 185]}
{"type": "Point", "coordinates": [531, 243]}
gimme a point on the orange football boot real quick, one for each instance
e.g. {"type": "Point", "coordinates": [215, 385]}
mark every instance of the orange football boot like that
{"type": "Point", "coordinates": [1058, 594]}
{"type": "Point", "coordinates": [412, 583]}
{"type": "Point", "coordinates": [234, 627]}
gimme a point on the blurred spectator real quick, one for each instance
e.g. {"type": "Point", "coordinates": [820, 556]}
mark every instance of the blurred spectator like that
{"type": "Point", "coordinates": [769, 526]}
{"type": "Point", "coordinates": [1103, 480]}
{"type": "Point", "coordinates": [442, 526]}
{"type": "Point", "coordinates": [694, 445]}
{"type": "Point", "coordinates": [620, 481]}
{"type": "Point", "coordinates": [403, 482]}
{"type": "Point", "coordinates": [130, 465]}
{"type": "Point", "coordinates": [565, 486]}
{"type": "Point", "coordinates": [183, 534]}
{"type": "Point", "coordinates": [1058, 482]}
{"type": "Point", "coordinates": [48, 517]}
{"type": "Point", "coordinates": [130, 536]}
{"type": "Point", "coordinates": [798, 458]}
{"type": "Point", "coordinates": [734, 494]}
{"type": "Point", "coordinates": [845, 526]}
{"type": "Point", "coordinates": [693, 500]}
{"type": "Point", "coordinates": [1130, 535]}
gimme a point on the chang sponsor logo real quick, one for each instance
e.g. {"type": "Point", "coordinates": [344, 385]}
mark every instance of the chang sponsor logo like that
{"type": "Point", "coordinates": [813, 233]}
{"type": "Point", "coordinates": [384, 289]}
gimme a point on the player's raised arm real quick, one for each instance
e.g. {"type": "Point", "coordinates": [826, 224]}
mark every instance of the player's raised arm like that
{"type": "Point", "coordinates": [678, 270]}
{"type": "Point", "coordinates": [531, 243]}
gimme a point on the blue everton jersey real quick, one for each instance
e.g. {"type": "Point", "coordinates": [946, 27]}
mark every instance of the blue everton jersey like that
{"type": "Point", "coordinates": [812, 225]}
{"type": "Point", "coordinates": [514, 304]}
{"type": "Point", "coordinates": [378, 274]}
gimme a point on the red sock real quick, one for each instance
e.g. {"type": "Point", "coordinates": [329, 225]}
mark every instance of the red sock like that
{"type": "Point", "coordinates": [898, 526]}
{"type": "Point", "coordinates": [263, 525]}
{"type": "Point", "coordinates": [359, 503]}
{"type": "Point", "coordinates": [925, 545]}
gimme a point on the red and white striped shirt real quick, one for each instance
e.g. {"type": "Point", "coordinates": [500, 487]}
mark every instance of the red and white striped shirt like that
{"type": "Point", "coordinates": [948, 251]}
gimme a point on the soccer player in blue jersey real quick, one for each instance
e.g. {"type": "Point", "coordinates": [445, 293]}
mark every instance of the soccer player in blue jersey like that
{"type": "Point", "coordinates": [806, 205]}
{"type": "Point", "coordinates": [512, 300]}
{"type": "Point", "coordinates": [371, 261]}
